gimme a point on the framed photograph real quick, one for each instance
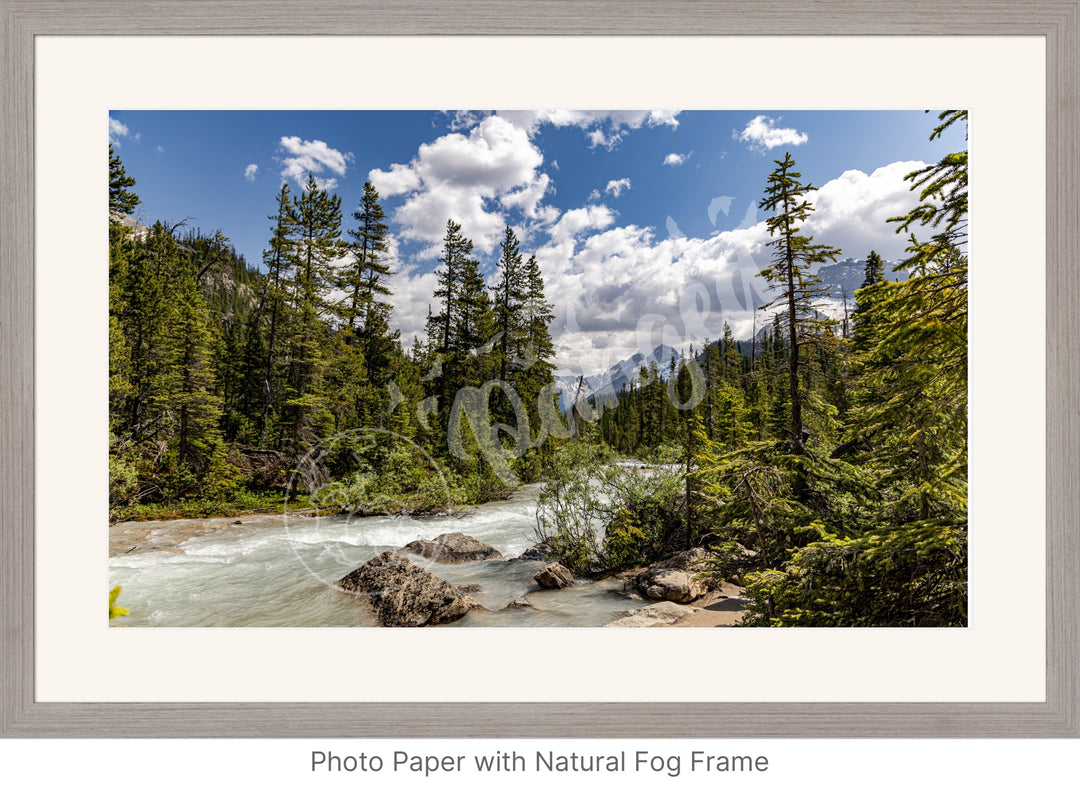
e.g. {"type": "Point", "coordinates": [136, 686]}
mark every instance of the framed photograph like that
{"type": "Point", "coordinates": [648, 205]}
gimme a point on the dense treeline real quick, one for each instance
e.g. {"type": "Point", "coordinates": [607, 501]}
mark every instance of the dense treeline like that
{"type": "Point", "coordinates": [824, 463]}
{"type": "Point", "coordinates": [227, 380]}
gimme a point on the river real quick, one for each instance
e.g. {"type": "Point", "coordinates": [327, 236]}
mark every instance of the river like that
{"type": "Point", "coordinates": [278, 571]}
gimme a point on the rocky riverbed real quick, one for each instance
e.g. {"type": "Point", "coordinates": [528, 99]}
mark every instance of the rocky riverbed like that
{"type": "Point", "coordinates": [295, 570]}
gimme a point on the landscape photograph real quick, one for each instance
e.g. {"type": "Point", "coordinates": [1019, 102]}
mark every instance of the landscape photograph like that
{"type": "Point", "coordinates": [538, 368]}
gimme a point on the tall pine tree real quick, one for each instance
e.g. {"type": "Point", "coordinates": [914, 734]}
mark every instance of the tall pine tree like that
{"type": "Point", "coordinates": [793, 255]}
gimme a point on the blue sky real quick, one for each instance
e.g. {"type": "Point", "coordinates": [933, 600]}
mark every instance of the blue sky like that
{"type": "Point", "coordinates": [644, 222]}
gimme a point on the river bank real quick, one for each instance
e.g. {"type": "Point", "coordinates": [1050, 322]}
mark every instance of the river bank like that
{"type": "Point", "coordinates": [280, 569]}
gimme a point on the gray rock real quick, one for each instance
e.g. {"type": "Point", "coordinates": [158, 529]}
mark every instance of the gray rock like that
{"type": "Point", "coordinates": [538, 551]}
{"type": "Point", "coordinates": [554, 575]}
{"type": "Point", "coordinates": [404, 595]}
{"type": "Point", "coordinates": [653, 615]}
{"type": "Point", "coordinates": [675, 580]}
{"type": "Point", "coordinates": [453, 548]}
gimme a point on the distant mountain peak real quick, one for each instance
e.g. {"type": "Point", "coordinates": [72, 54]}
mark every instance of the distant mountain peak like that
{"type": "Point", "coordinates": [603, 387]}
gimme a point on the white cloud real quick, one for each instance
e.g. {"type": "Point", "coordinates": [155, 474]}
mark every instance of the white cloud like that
{"type": "Point", "coordinates": [851, 211]}
{"type": "Point", "coordinates": [676, 159]}
{"type": "Point", "coordinates": [602, 128]}
{"type": "Point", "coordinates": [618, 289]}
{"type": "Point", "coordinates": [761, 134]}
{"type": "Point", "coordinates": [413, 293]}
{"type": "Point", "coordinates": [159, 149]}
{"type": "Point", "coordinates": [313, 157]}
{"type": "Point", "coordinates": [468, 178]}
{"type": "Point", "coordinates": [117, 130]}
{"type": "Point", "coordinates": [528, 198]}
{"type": "Point", "coordinates": [616, 186]}
{"type": "Point", "coordinates": [250, 171]}
{"type": "Point", "coordinates": [466, 119]}
{"type": "Point", "coordinates": [594, 195]}
{"type": "Point", "coordinates": [573, 222]}
{"type": "Point", "coordinates": [399, 179]}
{"type": "Point", "coordinates": [609, 140]}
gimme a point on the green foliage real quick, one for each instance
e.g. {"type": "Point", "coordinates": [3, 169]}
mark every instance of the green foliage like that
{"type": "Point", "coordinates": [238, 502]}
{"type": "Point", "coordinates": [829, 475]}
{"type": "Point", "coordinates": [789, 271]}
{"type": "Point", "coordinates": [943, 202]}
{"type": "Point", "coordinates": [115, 610]}
{"type": "Point", "coordinates": [210, 359]}
{"type": "Point", "coordinates": [911, 575]}
{"type": "Point", "coordinates": [121, 200]}
{"type": "Point", "coordinates": [406, 483]}
{"type": "Point", "coordinates": [603, 516]}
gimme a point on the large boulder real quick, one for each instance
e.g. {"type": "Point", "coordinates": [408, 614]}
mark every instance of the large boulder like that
{"type": "Point", "coordinates": [538, 552]}
{"type": "Point", "coordinates": [554, 575]}
{"type": "Point", "coordinates": [655, 615]}
{"type": "Point", "coordinates": [404, 595]}
{"type": "Point", "coordinates": [453, 548]}
{"type": "Point", "coordinates": [675, 579]}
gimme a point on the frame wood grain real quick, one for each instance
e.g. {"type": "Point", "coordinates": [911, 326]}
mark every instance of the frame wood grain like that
{"type": "Point", "coordinates": [20, 22]}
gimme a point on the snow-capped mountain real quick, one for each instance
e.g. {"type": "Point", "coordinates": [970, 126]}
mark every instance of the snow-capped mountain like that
{"type": "Point", "coordinates": [602, 387]}
{"type": "Point", "coordinates": [849, 275]}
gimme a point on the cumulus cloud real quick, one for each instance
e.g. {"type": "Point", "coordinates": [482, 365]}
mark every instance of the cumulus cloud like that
{"type": "Point", "coordinates": [468, 178]}
{"type": "Point", "coordinates": [851, 211]}
{"type": "Point", "coordinates": [762, 134]}
{"type": "Point", "coordinates": [413, 293]}
{"type": "Point", "coordinates": [250, 171]}
{"type": "Point", "coordinates": [465, 119]}
{"type": "Point", "coordinates": [619, 289]}
{"type": "Point", "coordinates": [573, 222]}
{"type": "Point", "coordinates": [304, 157]}
{"type": "Point", "coordinates": [117, 130]}
{"type": "Point", "coordinates": [616, 186]}
{"type": "Point", "coordinates": [676, 159]}
{"type": "Point", "coordinates": [603, 128]}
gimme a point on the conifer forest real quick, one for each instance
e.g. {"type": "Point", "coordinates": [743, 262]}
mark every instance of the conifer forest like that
{"type": "Point", "coordinates": [818, 464]}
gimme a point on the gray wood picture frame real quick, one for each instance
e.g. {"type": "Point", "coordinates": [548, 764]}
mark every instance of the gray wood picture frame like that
{"type": "Point", "coordinates": [22, 716]}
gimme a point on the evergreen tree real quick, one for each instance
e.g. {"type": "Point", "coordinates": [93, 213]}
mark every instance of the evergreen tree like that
{"type": "Point", "coordinates": [793, 254]}
{"type": "Point", "coordinates": [535, 380]}
{"type": "Point", "coordinates": [366, 307]}
{"type": "Point", "coordinates": [317, 219]}
{"type": "Point", "coordinates": [874, 275]}
{"type": "Point", "coordinates": [509, 297]}
{"type": "Point", "coordinates": [364, 280]}
{"type": "Point", "coordinates": [123, 472]}
{"type": "Point", "coordinates": [186, 390]}
{"type": "Point", "coordinates": [273, 321]}
{"type": "Point", "coordinates": [943, 204]}
{"type": "Point", "coordinates": [475, 323]}
{"type": "Point", "coordinates": [121, 200]}
{"type": "Point", "coordinates": [874, 270]}
{"type": "Point", "coordinates": [456, 249]}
